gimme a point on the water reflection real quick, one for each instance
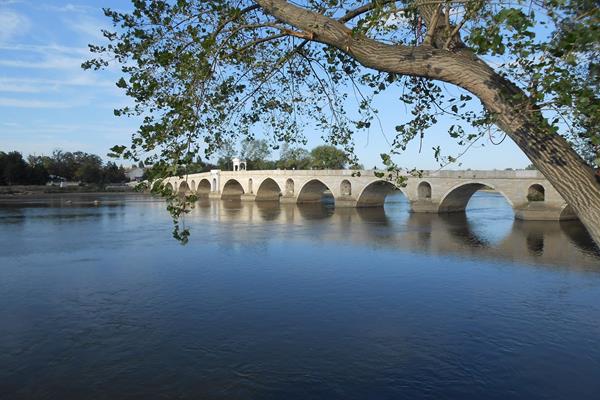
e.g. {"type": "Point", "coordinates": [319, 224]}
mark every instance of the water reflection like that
{"type": "Point", "coordinates": [533, 242]}
{"type": "Point", "coordinates": [487, 230]}
{"type": "Point", "coordinates": [272, 301]}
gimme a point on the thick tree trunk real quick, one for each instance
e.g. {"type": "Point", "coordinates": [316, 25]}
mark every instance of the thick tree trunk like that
{"type": "Point", "coordinates": [548, 151]}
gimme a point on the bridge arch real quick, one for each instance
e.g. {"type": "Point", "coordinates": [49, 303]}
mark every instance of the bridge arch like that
{"type": "Point", "coordinates": [203, 188]}
{"type": "Point", "coordinates": [169, 186]}
{"type": "Point", "coordinates": [567, 213]}
{"type": "Point", "coordinates": [313, 191]}
{"type": "Point", "coordinates": [268, 190]}
{"type": "Point", "coordinates": [184, 188]}
{"type": "Point", "coordinates": [250, 189]}
{"type": "Point", "coordinates": [457, 198]}
{"type": "Point", "coordinates": [424, 191]}
{"type": "Point", "coordinates": [193, 186]}
{"type": "Point", "coordinates": [374, 194]}
{"type": "Point", "coordinates": [232, 189]}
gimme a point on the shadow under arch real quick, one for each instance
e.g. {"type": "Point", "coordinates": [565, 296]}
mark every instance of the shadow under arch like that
{"type": "Point", "coordinates": [315, 211]}
{"type": "Point", "coordinates": [373, 215]}
{"type": "Point", "coordinates": [549, 239]}
{"type": "Point", "coordinates": [169, 187]}
{"type": "Point", "coordinates": [203, 188]}
{"type": "Point", "coordinates": [315, 191]}
{"type": "Point", "coordinates": [184, 188]}
{"type": "Point", "coordinates": [458, 228]}
{"type": "Point", "coordinates": [374, 194]}
{"type": "Point", "coordinates": [568, 214]}
{"type": "Point", "coordinates": [579, 236]}
{"type": "Point", "coordinates": [232, 190]}
{"type": "Point", "coordinates": [457, 198]}
{"type": "Point", "coordinates": [268, 190]}
{"type": "Point", "coordinates": [234, 207]}
{"type": "Point", "coordinates": [268, 210]}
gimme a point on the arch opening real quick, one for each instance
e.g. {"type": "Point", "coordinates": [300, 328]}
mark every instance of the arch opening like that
{"type": "Point", "coordinates": [374, 194]}
{"type": "Point", "coordinates": [568, 214]}
{"type": "Point", "coordinates": [315, 191]}
{"type": "Point", "coordinates": [214, 185]}
{"type": "Point", "coordinates": [203, 188]}
{"type": "Point", "coordinates": [169, 187]}
{"type": "Point", "coordinates": [490, 212]}
{"type": "Point", "coordinates": [193, 186]}
{"type": "Point", "coordinates": [232, 190]}
{"type": "Point", "coordinates": [184, 188]}
{"type": "Point", "coordinates": [536, 192]}
{"type": "Point", "coordinates": [346, 188]}
{"type": "Point", "coordinates": [268, 190]}
{"type": "Point", "coordinates": [456, 199]}
{"type": "Point", "coordinates": [289, 187]}
{"type": "Point", "coordinates": [250, 189]}
{"type": "Point", "coordinates": [424, 191]}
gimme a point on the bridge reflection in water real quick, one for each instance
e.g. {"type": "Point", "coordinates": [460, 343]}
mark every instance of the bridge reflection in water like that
{"type": "Point", "coordinates": [488, 232]}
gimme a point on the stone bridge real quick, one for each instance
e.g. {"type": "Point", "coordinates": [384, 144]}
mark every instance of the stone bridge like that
{"type": "Point", "coordinates": [528, 192]}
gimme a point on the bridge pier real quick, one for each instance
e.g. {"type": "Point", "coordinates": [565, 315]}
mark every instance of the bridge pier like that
{"type": "Point", "coordinates": [248, 197]}
{"type": "Point", "coordinates": [287, 199]}
{"type": "Point", "coordinates": [538, 211]}
{"type": "Point", "coordinates": [345, 201]}
{"type": "Point", "coordinates": [424, 206]}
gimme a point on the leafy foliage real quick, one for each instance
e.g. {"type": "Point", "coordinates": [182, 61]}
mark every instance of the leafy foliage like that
{"type": "Point", "coordinates": [204, 74]}
{"type": "Point", "coordinates": [77, 166]}
{"type": "Point", "coordinates": [328, 157]}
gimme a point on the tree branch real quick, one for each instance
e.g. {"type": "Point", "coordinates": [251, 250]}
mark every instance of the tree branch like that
{"type": "Point", "coordinates": [364, 9]}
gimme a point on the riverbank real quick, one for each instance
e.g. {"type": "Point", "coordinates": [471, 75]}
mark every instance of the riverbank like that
{"type": "Point", "coordinates": [36, 190]}
{"type": "Point", "coordinates": [71, 199]}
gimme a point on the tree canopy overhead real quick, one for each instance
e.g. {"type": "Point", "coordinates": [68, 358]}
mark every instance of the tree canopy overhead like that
{"type": "Point", "coordinates": [202, 73]}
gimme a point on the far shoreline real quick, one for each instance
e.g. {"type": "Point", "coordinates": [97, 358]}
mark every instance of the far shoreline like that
{"type": "Point", "coordinates": [12, 195]}
{"type": "Point", "coordinates": [34, 190]}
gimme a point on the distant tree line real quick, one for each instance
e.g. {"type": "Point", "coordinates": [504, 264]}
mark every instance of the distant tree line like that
{"type": "Point", "coordinates": [77, 166]}
{"type": "Point", "coordinates": [257, 154]}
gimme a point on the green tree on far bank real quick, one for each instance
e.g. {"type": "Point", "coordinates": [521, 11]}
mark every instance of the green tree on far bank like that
{"type": "Point", "coordinates": [75, 166]}
{"type": "Point", "coordinates": [328, 157]}
{"type": "Point", "coordinates": [294, 158]}
{"type": "Point", "coordinates": [256, 153]}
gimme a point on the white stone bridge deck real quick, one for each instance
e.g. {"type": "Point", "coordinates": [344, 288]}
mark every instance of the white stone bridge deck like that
{"type": "Point", "coordinates": [528, 192]}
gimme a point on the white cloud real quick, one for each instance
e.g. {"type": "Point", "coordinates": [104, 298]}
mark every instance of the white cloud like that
{"type": "Point", "coordinates": [12, 24]}
{"type": "Point", "coordinates": [12, 86]}
{"type": "Point", "coordinates": [68, 8]}
{"type": "Point", "coordinates": [29, 85]}
{"type": "Point", "coordinates": [50, 56]}
{"type": "Point", "coordinates": [32, 103]}
{"type": "Point", "coordinates": [88, 27]}
{"type": "Point", "coordinates": [56, 62]}
{"type": "Point", "coordinates": [45, 49]}
{"type": "Point", "coordinates": [43, 128]}
{"type": "Point", "coordinates": [11, 124]}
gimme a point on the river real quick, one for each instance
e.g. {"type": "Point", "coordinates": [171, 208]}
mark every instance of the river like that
{"type": "Point", "coordinates": [288, 302]}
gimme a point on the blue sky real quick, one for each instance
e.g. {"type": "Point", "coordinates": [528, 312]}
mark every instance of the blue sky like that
{"type": "Point", "coordinates": [47, 101]}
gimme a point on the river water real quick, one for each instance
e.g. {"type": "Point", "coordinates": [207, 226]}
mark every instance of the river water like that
{"type": "Point", "coordinates": [287, 302]}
